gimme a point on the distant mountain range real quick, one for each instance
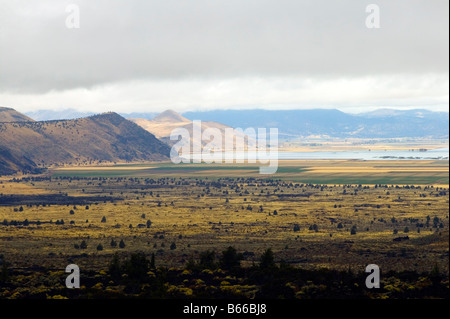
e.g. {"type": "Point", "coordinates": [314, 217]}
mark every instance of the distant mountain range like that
{"type": "Point", "coordinates": [28, 145]}
{"type": "Point", "coordinates": [383, 123]}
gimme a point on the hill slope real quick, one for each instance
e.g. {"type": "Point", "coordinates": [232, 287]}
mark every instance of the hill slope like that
{"type": "Point", "coordinates": [170, 116]}
{"type": "Point", "coordinates": [164, 123]}
{"type": "Point", "coordinates": [10, 115]}
{"type": "Point", "coordinates": [101, 138]}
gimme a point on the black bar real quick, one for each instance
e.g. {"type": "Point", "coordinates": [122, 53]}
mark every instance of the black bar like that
{"type": "Point", "coordinates": [261, 309]}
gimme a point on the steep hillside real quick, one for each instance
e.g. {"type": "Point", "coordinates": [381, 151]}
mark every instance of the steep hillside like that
{"type": "Point", "coordinates": [164, 123]}
{"type": "Point", "coordinates": [10, 115]}
{"type": "Point", "coordinates": [101, 138]}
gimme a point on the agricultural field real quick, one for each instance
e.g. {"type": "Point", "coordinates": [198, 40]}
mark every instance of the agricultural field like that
{"type": "Point", "coordinates": [303, 171]}
{"type": "Point", "coordinates": [312, 215]}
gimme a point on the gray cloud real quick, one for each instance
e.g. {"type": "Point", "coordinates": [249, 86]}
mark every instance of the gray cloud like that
{"type": "Point", "coordinates": [356, 94]}
{"type": "Point", "coordinates": [210, 40]}
{"type": "Point", "coordinates": [120, 40]}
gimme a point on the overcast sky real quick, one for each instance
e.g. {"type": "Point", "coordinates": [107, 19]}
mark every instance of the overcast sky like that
{"type": "Point", "coordinates": [138, 56]}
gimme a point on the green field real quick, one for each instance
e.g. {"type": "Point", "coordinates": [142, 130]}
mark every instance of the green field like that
{"type": "Point", "coordinates": [316, 172]}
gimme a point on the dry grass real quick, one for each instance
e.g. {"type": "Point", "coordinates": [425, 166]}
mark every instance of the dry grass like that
{"type": "Point", "coordinates": [7, 188]}
{"type": "Point", "coordinates": [197, 220]}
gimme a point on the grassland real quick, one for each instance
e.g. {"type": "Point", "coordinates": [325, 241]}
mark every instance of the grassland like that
{"type": "Point", "coordinates": [398, 210]}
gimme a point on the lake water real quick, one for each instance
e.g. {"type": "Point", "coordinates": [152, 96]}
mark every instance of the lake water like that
{"type": "Point", "coordinates": [436, 154]}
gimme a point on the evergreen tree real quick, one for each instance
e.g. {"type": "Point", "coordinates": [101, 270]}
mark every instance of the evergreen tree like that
{"type": "Point", "coordinates": [114, 268]}
{"type": "Point", "coordinates": [207, 259]}
{"type": "Point", "coordinates": [267, 260]}
{"type": "Point", "coordinates": [4, 273]}
{"type": "Point", "coordinates": [137, 267]}
{"type": "Point", "coordinates": [113, 243]}
{"type": "Point", "coordinates": [230, 259]}
{"type": "Point", "coordinates": [152, 261]}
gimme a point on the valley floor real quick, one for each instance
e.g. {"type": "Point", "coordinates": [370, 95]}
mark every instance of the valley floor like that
{"type": "Point", "coordinates": [83, 216]}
